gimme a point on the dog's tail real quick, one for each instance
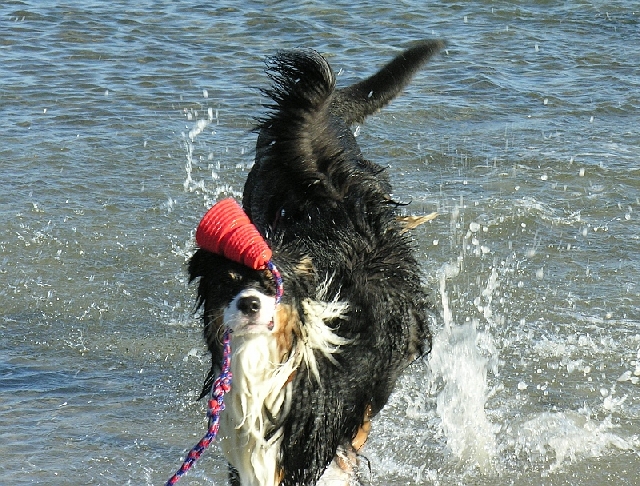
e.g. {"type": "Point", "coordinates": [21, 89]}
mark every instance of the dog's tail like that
{"type": "Point", "coordinates": [304, 83]}
{"type": "Point", "coordinates": [354, 103]}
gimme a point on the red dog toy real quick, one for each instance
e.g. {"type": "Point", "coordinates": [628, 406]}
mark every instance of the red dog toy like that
{"type": "Point", "coordinates": [226, 230]}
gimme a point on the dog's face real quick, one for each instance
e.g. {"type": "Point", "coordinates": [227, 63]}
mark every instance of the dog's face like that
{"type": "Point", "coordinates": [251, 311]}
{"type": "Point", "coordinates": [243, 299]}
{"type": "Point", "coordinates": [233, 295]}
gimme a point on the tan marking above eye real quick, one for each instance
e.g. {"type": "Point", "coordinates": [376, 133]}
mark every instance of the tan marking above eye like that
{"type": "Point", "coordinates": [235, 276]}
{"type": "Point", "coordinates": [305, 265]}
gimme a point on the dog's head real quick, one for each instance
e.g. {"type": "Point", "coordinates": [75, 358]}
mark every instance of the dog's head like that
{"type": "Point", "coordinates": [232, 294]}
{"type": "Point", "coordinates": [235, 296]}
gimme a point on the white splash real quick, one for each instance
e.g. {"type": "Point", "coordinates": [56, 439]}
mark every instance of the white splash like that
{"type": "Point", "coordinates": [458, 362]}
{"type": "Point", "coordinates": [210, 193]}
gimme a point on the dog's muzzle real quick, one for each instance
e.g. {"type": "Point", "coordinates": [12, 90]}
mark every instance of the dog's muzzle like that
{"type": "Point", "coordinates": [251, 312]}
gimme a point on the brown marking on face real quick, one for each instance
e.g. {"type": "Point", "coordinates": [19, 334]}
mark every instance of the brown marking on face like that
{"type": "Point", "coordinates": [287, 326]}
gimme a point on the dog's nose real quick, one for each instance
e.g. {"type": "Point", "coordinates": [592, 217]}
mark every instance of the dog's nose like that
{"type": "Point", "coordinates": [249, 305]}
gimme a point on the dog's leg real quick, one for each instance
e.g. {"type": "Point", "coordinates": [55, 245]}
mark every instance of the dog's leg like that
{"type": "Point", "coordinates": [363, 433]}
{"type": "Point", "coordinates": [411, 222]}
{"type": "Point", "coordinates": [343, 469]}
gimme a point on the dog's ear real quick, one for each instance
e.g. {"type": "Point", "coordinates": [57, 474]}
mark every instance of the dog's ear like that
{"type": "Point", "coordinates": [297, 270]}
{"type": "Point", "coordinates": [201, 263]}
{"type": "Point", "coordinates": [306, 277]}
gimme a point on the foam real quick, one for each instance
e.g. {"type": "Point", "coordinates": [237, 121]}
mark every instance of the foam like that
{"type": "Point", "coordinates": [564, 437]}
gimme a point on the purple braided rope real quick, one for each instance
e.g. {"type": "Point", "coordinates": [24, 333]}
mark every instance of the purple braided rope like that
{"type": "Point", "coordinates": [216, 405]}
{"type": "Point", "coordinates": [278, 280]}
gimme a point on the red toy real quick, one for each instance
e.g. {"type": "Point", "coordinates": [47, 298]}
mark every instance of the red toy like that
{"type": "Point", "coordinates": [226, 230]}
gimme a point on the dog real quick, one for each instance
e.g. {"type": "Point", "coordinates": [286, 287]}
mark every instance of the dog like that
{"type": "Point", "coordinates": [311, 371]}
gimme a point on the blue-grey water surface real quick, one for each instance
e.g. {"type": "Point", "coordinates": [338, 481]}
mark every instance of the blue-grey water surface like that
{"type": "Point", "coordinates": [122, 122]}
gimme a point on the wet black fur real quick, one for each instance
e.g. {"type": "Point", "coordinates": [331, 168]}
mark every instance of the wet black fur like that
{"type": "Point", "coordinates": [313, 196]}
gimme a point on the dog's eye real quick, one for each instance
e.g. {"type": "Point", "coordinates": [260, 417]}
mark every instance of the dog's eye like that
{"type": "Point", "coordinates": [235, 276]}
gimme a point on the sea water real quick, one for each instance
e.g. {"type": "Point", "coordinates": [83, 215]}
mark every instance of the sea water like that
{"type": "Point", "coordinates": [122, 122]}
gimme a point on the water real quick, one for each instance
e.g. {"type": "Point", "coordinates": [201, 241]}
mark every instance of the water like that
{"type": "Point", "coordinates": [122, 123]}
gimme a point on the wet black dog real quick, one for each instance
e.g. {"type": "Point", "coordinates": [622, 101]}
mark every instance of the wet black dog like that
{"type": "Point", "coordinates": [310, 372]}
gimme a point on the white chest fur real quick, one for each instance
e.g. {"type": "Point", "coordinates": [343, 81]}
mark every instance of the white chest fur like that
{"type": "Point", "coordinates": [258, 392]}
